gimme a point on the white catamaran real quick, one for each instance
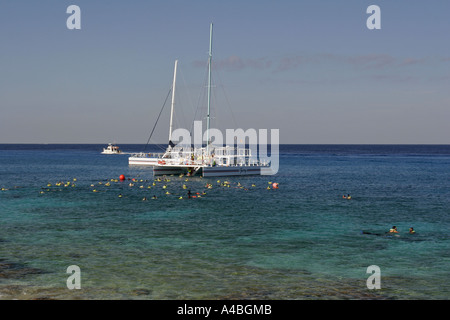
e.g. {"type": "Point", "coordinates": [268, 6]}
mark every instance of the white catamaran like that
{"type": "Point", "coordinates": [206, 161]}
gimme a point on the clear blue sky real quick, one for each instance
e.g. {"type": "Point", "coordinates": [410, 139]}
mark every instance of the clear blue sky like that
{"type": "Point", "coordinates": [310, 68]}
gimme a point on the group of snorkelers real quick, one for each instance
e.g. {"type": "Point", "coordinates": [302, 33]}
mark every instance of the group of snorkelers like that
{"type": "Point", "coordinates": [394, 230]}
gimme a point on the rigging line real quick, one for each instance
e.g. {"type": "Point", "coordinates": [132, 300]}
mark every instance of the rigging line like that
{"type": "Point", "coordinates": [200, 97]}
{"type": "Point", "coordinates": [178, 114]}
{"type": "Point", "coordinates": [159, 146]}
{"type": "Point", "coordinates": [226, 98]}
{"type": "Point", "coordinates": [189, 98]}
{"type": "Point", "coordinates": [156, 122]}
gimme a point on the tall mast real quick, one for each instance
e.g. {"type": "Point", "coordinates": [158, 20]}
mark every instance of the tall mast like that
{"type": "Point", "coordinates": [209, 89]}
{"type": "Point", "coordinates": [173, 101]}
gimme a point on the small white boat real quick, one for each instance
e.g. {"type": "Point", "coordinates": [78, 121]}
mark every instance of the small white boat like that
{"type": "Point", "coordinates": [111, 149]}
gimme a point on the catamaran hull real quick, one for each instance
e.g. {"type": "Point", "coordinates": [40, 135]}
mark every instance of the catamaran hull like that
{"type": "Point", "coordinates": [167, 170]}
{"type": "Point", "coordinates": [159, 170]}
{"type": "Point", "coordinates": [143, 161]}
{"type": "Point", "coordinates": [231, 171]}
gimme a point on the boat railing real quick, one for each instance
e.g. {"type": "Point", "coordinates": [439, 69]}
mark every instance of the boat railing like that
{"type": "Point", "coordinates": [147, 155]}
{"type": "Point", "coordinates": [226, 156]}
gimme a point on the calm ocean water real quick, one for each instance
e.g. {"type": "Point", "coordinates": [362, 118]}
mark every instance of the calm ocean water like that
{"type": "Point", "coordinates": [301, 241]}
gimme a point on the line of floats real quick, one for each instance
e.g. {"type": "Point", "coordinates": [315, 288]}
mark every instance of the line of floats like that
{"type": "Point", "coordinates": [146, 184]}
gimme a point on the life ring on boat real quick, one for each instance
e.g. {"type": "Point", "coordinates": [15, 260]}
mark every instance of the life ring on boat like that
{"type": "Point", "coordinates": [161, 162]}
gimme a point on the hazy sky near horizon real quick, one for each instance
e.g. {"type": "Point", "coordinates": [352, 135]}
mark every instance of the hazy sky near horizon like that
{"type": "Point", "coordinates": [311, 69]}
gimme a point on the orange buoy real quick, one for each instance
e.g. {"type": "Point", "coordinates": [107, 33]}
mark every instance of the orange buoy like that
{"type": "Point", "coordinates": [122, 177]}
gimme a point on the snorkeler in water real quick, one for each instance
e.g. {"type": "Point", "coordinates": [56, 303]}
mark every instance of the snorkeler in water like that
{"type": "Point", "coordinates": [393, 230]}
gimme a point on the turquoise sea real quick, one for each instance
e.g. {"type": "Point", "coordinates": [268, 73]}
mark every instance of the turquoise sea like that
{"type": "Point", "coordinates": [60, 206]}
